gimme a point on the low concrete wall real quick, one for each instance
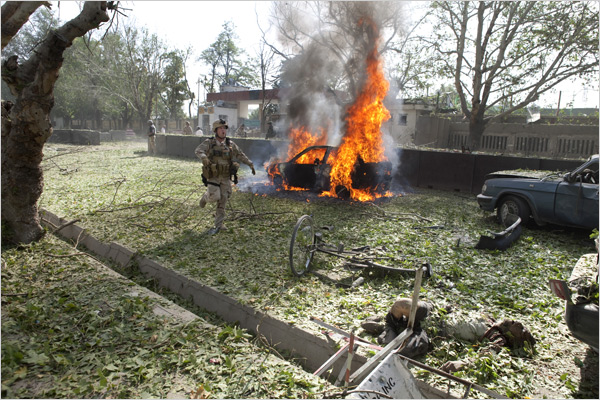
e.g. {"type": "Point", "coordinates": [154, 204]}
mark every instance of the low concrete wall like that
{"type": "Point", "coordinates": [462, 172]}
{"type": "Point", "coordinates": [443, 170]}
{"type": "Point", "coordinates": [115, 136]}
{"type": "Point", "coordinates": [75, 136]}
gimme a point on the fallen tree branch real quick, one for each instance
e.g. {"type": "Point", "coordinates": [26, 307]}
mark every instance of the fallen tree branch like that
{"type": "Point", "coordinates": [72, 255]}
{"type": "Point", "coordinates": [64, 225]}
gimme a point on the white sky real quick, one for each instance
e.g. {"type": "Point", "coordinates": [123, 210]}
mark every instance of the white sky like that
{"type": "Point", "coordinates": [197, 23]}
{"type": "Point", "coordinates": [182, 24]}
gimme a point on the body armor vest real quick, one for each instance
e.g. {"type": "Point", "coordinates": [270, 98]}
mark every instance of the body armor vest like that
{"type": "Point", "coordinates": [220, 156]}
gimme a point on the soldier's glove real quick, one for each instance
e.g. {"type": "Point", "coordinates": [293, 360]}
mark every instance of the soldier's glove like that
{"type": "Point", "coordinates": [205, 161]}
{"type": "Point", "coordinates": [253, 170]}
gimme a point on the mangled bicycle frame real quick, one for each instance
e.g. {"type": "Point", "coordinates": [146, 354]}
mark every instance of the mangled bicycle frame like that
{"type": "Point", "coordinates": [306, 242]}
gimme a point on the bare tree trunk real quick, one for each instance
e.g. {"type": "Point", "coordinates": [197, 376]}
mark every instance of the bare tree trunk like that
{"type": "Point", "coordinates": [477, 125]}
{"type": "Point", "coordinates": [26, 125]}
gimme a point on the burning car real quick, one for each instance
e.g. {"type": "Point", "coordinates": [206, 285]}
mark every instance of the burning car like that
{"type": "Point", "coordinates": [310, 169]}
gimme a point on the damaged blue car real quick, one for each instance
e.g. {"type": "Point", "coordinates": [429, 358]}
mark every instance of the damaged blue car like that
{"type": "Point", "coordinates": [569, 199]}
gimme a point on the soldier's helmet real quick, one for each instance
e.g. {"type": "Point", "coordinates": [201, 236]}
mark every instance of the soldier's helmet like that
{"type": "Point", "coordinates": [219, 123]}
{"type": "Point", "coordinates": [150, 122]}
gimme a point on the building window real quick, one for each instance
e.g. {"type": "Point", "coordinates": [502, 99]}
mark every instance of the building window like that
{"type": "Point", "coordinates": [402, 119]}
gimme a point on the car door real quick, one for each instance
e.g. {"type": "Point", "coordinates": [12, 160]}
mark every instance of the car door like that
{"type": "Point", "coordinates": [303, 170]}
{"type": "Point", "coordinates": [576, 204]}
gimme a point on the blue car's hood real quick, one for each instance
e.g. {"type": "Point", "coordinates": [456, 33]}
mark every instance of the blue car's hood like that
{"type": "Point", "coordinates": [527, 174]}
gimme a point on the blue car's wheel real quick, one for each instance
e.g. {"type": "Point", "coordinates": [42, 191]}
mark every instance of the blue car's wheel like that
{"type": "Point", "coordinates": [512, 207]}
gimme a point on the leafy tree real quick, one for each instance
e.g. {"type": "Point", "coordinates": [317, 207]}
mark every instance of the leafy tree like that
{"type": "Point", "coordinates": [145, 59]}
{"type": "Point", "coordinates": [31, 34]}
{"type": "Point", "coordinates": [185, 55]}
{"type": "Point", "coordinates": [79, 93]}
{"type": "Point", "coordinates": [212, 58]}
{"type": "Point", "coordinates": [128, 74]}
{"type": "Point", "coordinates": [266, 65]}
{"type": "Point", "coordinates": [175, 88]}
{"type": "Point", "coordinates": [509, 53]}
{"type": "Point", "coordinates": [25, 40]}
{"type": "Point", "coordinates": [227, 62]}
{"type": "Point", "coordinates": [411, 69]}
{"type": "Point", "coordinates": [25, 123]}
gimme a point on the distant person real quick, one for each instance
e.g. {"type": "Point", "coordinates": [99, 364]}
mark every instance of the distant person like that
{"type": "Point", "coordinates": [241, 131]}
{"type": "Point", "coordinates": [187, 129]}
{"type": "Point", "coordinates": [270, 131]}
{"type": "Point", "coordinates": [218, 166]}
{"type": "Point", "coordinates": [199, 131]}
{"type": "Point", "coordinates": [151, 138]}
{"type": "Point", "coordinates": [163, 129]}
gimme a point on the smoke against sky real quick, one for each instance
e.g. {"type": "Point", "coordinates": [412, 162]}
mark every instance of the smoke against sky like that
{"type": "Point", "coordinates": [336, 47]}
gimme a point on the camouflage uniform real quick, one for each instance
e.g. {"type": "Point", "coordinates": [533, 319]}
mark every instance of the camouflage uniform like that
{"type": "Point", "coordinates": [187, 129]}
{"type": "Point", "coordinates": [151, 138]}
{"type": "Point", "coordinates": [217, 159]}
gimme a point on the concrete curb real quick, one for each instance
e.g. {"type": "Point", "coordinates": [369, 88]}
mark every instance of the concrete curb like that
{"type": "Point", "coordinates": [309, 350]}
{"type": "Point", "coordinates": [167, 308]}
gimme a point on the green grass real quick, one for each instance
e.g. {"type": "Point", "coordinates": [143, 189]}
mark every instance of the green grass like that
{"type": "Point", "coordinates": [150, 204]}
{"type": "Point", "coordinates": [69, 331]}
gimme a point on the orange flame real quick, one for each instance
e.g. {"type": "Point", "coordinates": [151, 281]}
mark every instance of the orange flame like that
{"type": "Point", "coordinates": [362, 142]}
{"type": "Point", "coordinates": [301, 138]}
{"type": "Point", "coordinates": [363, 135]}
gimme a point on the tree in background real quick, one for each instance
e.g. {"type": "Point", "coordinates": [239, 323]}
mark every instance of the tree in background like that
{"type": "Point", "coordinates": [410, 66]}
{"type": "Point", "coordinates": [509, 53]}
{"type": "Point", "coordinates": [266, 65]}
{"type": "Point", "coordinates": [175, 87]}
{"type": "Point", "coordinates": [144, 62]}
{"type": "Point", "coordinates": [25, 40]}
{"type": "Point", "coordinates": [227, 62]}
{"type": "Point", "coordinates": [185, 55]}
{"type": "Point", "coordinates": [128, 74]}
{"type": "Point", "coordinates": [80, 92]}
{"type": "Point", "coordinates": [26, 123]}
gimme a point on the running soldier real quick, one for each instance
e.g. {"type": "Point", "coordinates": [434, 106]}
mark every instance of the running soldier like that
{"type": "Point", "coordinates": [217, 155]}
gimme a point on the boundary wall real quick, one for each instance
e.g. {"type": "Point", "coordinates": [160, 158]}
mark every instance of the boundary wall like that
{"type": "Point", "coordinates": [528, 139]}
{"type": "Point", "coordinates": [443, 170]}
{"type": "Point", "coordinates": [433, 169]}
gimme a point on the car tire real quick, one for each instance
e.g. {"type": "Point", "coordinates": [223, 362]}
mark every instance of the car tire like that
{"type": "Point", "coordinates": [342, 192]}
{"type": "Point", "coordinates": [512, 205]}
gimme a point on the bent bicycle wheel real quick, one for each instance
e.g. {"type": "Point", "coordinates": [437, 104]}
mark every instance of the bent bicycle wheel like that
{"type": "Point", "coordinates": [302, 245]}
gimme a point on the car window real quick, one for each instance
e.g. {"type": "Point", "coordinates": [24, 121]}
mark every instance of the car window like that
{"type": "Point", "coordinates": [588, 173]}
{"type": "Point", "coordinates": [311, 156]}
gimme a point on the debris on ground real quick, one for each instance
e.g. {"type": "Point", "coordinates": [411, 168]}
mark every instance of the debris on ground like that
{"type": "Point", "coordinates": [501, 240]}
{"type": "Point", "coordinates": [453, 366]}
{"type": "Point", "coordinates": [373, 325]}
{"type": "Point", "coordinates": [396, 321]}
{"type": "Point", "coordinates": [470, 331]}
{"type": "Point", "coordinates": [509, 333]}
